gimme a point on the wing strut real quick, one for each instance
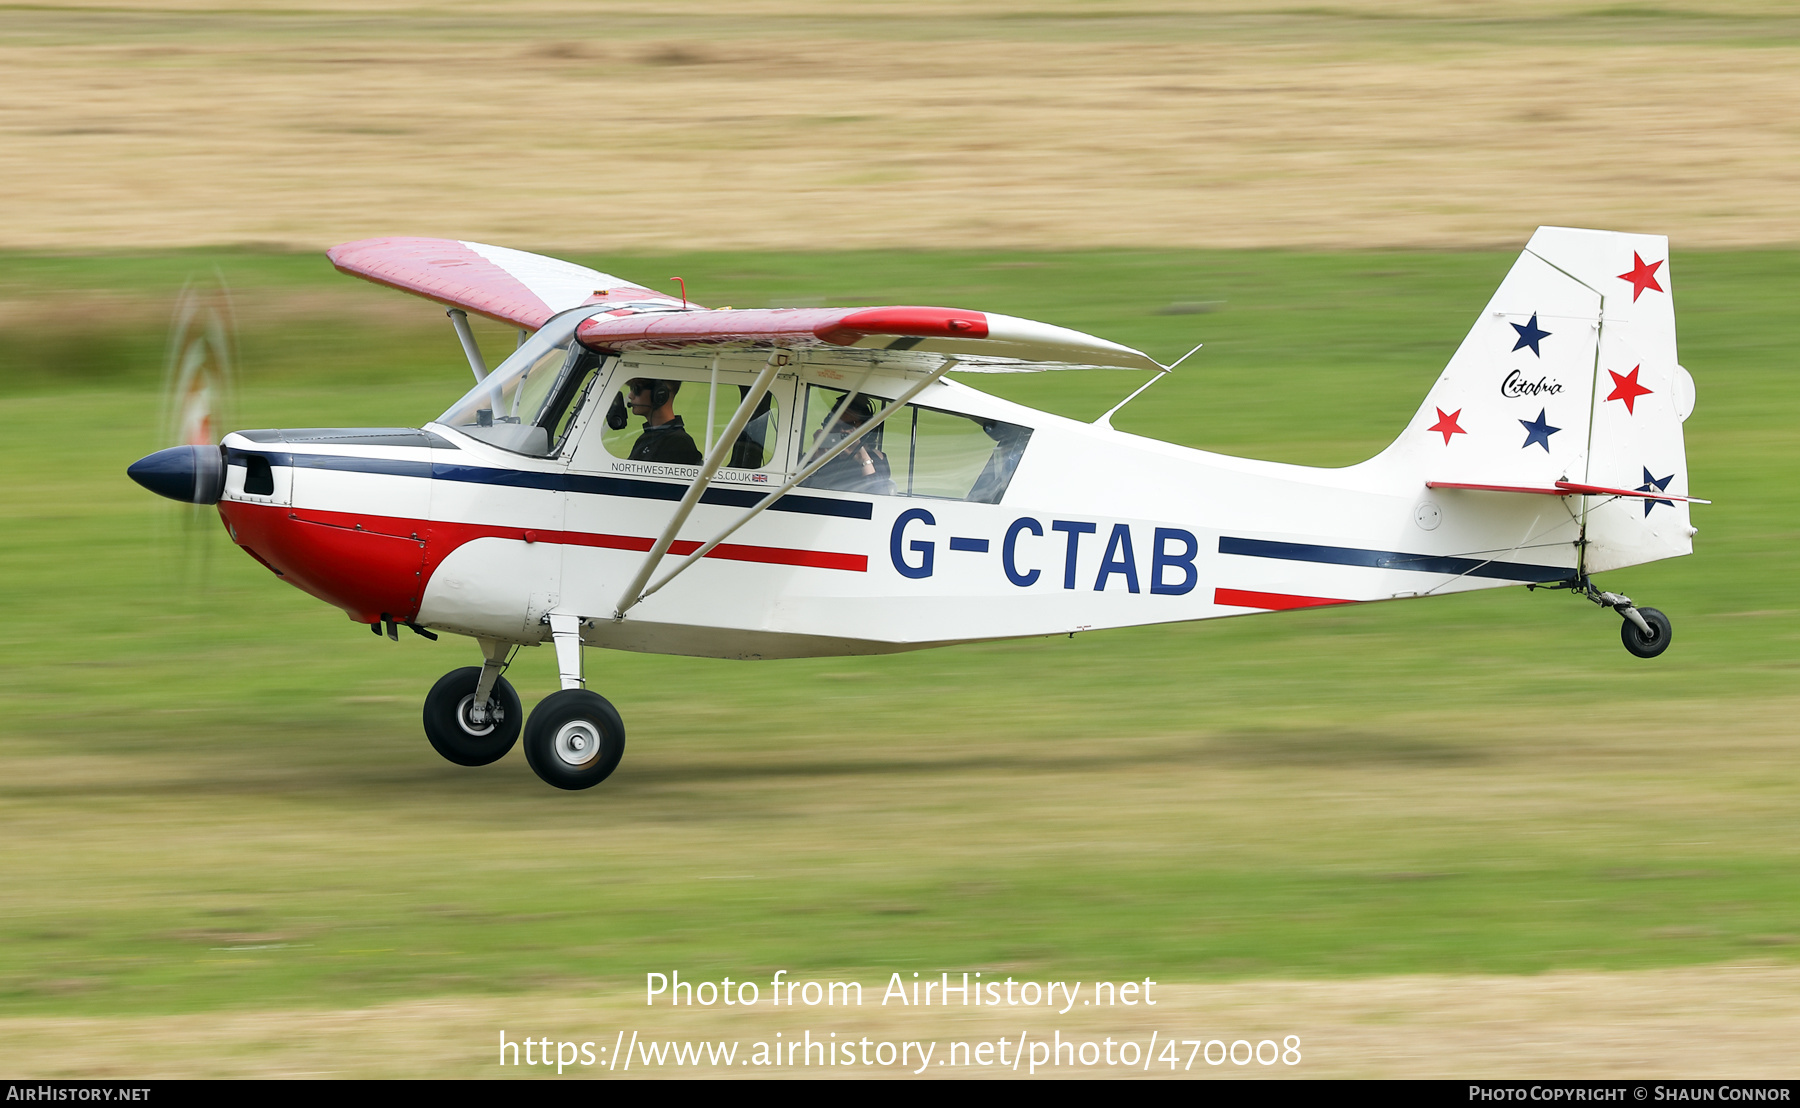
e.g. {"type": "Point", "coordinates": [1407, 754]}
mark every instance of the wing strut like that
{"type": "Point", "coordinates": [837, 413]}
{"type": "Point", "coordinates": [708, 468]}
{"type": "Point", "coordinates": [459, 319]}
{"type": "Point", "coordinates": [806, 471]}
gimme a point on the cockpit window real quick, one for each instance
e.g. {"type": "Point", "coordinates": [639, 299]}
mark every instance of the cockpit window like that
{"type": "Point", "coordinates": [914, 452]}
{"type": "Point", "coordinates": [529, 403]}
{"type": "Point", "coordinates": [700, 413]}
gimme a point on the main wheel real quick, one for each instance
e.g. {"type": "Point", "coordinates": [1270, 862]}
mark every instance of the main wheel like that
{"type": "Point", "coordinates": [1647, 646]}
{"type": "Point", "coordinates": [452, 729]}
{"type": "Point", "coordinates": [574, 739]}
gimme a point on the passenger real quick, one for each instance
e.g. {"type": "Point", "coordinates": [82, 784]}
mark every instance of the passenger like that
{"type": "Point", "coordinates": [863, 467]}
{"type": "Point", "coordinates": [664, 438]}
{"type": "Point", "coordinates": [751, 445]}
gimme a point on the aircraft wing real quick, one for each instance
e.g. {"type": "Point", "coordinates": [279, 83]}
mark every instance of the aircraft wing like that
{"type": "Point", "coordinates": [981, 341]}
{"type": "Point", "coordinates": [511, 286]}
{"type": "Point", "coordinates": [525, 290]}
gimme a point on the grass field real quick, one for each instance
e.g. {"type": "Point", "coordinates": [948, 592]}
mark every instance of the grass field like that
{"type": "Point", "coordinates": [218, 803]}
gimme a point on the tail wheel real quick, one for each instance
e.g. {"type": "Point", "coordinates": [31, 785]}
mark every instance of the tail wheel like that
{"type": "Point", "coordinates": [574, 739]}
{"type": "Point", "coordinates": [451, 724]}
{"type": "Point", "coordinates": [1647, 646]}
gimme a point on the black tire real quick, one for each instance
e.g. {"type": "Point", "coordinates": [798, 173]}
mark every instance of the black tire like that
{"type": "Point", "coordinates": [574, 739]}
{"type": "Point", "coordinates": [1647, 646]}
{"type": "Point", "coordinates": [454, 735]}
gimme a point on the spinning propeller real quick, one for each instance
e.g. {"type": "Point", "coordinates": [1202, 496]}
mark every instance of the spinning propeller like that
{"type": "Point", "coordinates": [198, 373]}
{"type": "Point", "coordinates": [198, 393]}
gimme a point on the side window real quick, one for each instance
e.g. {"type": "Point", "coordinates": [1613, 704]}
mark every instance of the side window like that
{"type": "Point", "coordinates": [872, 464]}
{"type": "Point", "coordinates": [948, 454]}
{"type": "Point", "coordinates": [916, 452]}
{"type": "Point", "coordinates": [665, 419]}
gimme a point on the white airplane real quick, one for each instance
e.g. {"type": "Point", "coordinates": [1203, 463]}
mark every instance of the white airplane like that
{"type": "Point", "coordinates": [801, 482]}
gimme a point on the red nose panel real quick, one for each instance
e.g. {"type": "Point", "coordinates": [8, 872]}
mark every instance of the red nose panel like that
{"type": "Point", "coordinates": [365, 572]}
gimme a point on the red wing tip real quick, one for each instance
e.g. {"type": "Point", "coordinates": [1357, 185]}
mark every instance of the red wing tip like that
{"type": "Point", "coordinates": [918, 322]}
{"type": "Point", "coordinates": [837, 326]}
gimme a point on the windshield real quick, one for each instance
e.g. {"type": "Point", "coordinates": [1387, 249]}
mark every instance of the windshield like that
{"type": "Point", "coordinates": [528, 404]}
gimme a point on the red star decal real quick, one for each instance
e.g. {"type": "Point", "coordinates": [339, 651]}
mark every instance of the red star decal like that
{"type": "Point", "coordinates": [1642, 276]}
{"type": "Point", "coordinates": [1626, 388]}
{"type": "Point", "coordinates": [1447, 424]}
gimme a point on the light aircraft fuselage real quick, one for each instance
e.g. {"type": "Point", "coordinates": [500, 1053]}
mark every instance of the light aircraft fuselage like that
{"type": "Point", "coordinates": [811, 482]}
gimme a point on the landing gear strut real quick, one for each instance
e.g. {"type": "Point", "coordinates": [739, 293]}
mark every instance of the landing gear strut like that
{"type": "Point", "coordinates": [574, 738]}
{"type": "Point", "coordinates": [472, 715]}
{"type": "Point", "coordinates": [1645, 631]}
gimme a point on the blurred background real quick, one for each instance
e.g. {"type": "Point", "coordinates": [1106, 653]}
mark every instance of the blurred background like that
{"type": "Point", "coordinates": [228, 848]}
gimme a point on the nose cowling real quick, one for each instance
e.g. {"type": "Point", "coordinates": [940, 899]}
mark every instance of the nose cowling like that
{"type": "Point", "coordinates": [193, 474]}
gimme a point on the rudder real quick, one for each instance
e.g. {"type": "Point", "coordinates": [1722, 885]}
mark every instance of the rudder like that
{"type": "Point", "coordinates": [1641, 395]}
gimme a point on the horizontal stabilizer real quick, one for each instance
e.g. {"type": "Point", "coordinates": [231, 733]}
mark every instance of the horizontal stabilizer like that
{"type": "Point", "coordinates": [1571, 488]}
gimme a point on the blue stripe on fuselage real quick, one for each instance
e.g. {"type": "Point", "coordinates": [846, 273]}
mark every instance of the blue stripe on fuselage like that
{"type": "Point", "coordinates": [1391, 559]}
{"type": "Point", "coordinates": [588, 484]}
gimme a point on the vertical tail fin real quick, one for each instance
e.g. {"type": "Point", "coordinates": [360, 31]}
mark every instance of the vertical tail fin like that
{"type": "Point", "coordinates": [1570, 374]}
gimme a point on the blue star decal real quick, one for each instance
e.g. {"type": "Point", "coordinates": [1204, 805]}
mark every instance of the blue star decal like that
{"type": "Point", "coordinates": [1651, 484]}
{"type": "Point", "coordinates": [1539, 431]}
{"type": "Point", "coordinates": [1530, 335]}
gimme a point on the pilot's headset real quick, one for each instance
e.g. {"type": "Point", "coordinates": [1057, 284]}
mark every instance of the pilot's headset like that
{"type": "Point", "coordinates": [661, 392]}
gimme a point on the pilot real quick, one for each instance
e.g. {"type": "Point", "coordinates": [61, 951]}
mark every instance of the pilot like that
{"type": "Point", "coordinates": [664, 438]}
{"type": "Point", "coordinates": [863, 467]}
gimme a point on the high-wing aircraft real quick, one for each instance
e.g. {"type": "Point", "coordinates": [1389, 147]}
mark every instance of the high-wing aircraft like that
{"type": "Point", "coordinates": [642, 473]}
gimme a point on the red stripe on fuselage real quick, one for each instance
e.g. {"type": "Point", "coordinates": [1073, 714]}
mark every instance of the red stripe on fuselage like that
{"type": "Point", "coordinates": [340, 571]}
{"type": "Point", "coordinates": [1271, 601]}
{"type": "Point", "coordinates": [459, 533]}
{"type": "Point", "coordinates": [453, 535]}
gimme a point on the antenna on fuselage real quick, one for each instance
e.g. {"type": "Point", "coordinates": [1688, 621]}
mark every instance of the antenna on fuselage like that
{"type": "Point", "coordinates": [1105, 419]}
{"type": "Point", "coordinates": [1184, 357]}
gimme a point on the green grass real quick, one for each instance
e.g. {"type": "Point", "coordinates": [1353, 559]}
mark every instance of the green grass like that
{"type": "Point", "coordinates": [217, 794]}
